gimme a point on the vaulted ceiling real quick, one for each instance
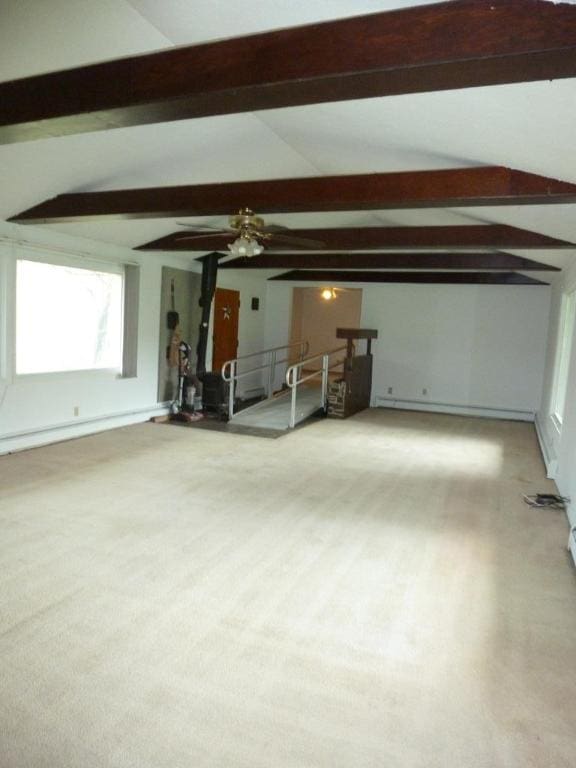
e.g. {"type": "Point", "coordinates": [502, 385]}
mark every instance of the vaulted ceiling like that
{"type": "Point", "coordinates": [524, 126]}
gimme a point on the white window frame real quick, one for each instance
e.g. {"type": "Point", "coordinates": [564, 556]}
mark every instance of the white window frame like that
{"type": "Point", "coordinates": [58, 260]}
{"type": "Point", "coordinates": [564, 343]}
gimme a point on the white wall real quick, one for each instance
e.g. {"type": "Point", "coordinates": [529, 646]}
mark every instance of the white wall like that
{"type": "Point", "coordinates": [40, 409]}
{"type": "Point", "coordinates": [35, 410]}
{"type": "Point", "coordinates": [476, 349]}
{"type": "Point", "coordinates": [559, 445]}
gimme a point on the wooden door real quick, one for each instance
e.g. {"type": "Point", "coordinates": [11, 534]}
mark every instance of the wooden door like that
{"type": "Point", "coordinates": [226, 311]}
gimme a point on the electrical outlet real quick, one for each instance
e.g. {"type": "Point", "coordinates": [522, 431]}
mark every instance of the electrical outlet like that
{"type": "Point", "coordinates": [76, 410]}
{"type": "Point", "coordinates": [390, 390]}
{"type": "Point", "coordinates": [424, 391]}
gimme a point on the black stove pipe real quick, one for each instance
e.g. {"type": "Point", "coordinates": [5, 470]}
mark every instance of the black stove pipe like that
{"type": "Point", "coordinates": [208, 287]}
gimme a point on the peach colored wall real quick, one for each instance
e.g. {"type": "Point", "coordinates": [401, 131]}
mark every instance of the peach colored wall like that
{"type": "Point", "coordinates": [315, 319]}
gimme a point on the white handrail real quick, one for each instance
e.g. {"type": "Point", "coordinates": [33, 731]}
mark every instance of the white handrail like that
{"type": "Point", "coordinates": [304, 344]}
{"type": "Point", "coordinates": [294, 370]}
{"type": "Point", "coordinates": [230, 373]}
{"type": "Point", "coordinates": [302, 363]}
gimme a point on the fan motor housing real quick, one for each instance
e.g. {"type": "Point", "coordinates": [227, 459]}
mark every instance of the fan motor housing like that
{"type": "Point", "coordinates": [245, 219]}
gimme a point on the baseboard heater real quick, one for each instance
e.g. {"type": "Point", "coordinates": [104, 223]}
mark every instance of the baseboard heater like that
{"type": "Point", "coordinates": [55, 433]}
{"type": "Point", "coordinates": [550, 461]}
{"type": "Point", "coordinates": [453, 408]}
{"type": "Point", "coordinates": [572, 544]}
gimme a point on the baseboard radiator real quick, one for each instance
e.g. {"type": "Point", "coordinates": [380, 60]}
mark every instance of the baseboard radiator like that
{"type": "Point", "coordinates": [431, 406]}
{"type": "Point", "coordinates": [572, 544]}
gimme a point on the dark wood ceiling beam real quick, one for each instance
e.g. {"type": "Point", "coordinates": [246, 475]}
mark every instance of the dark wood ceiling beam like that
{"type": "Point", "coordinates": [364, 238]}
{"type": "Point", "coordinates": [425, 48]}
{"type": "Point", "coordinates": [457, 278]}
{"type": "Point", "coordinates": [487, 261]}
{"type": "Point", "coordinates": [449, 188]}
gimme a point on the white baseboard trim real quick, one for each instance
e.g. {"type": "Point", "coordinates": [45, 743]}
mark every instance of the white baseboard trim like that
{"type": "Point", "coordinates": [21, 441]}
{"type": "Point", "coordinates": [550, 460]}
{"type": "Point", "coordinates": [458, 410]}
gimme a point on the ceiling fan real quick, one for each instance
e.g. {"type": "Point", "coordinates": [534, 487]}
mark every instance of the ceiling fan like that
{"type": "Point", "coordinates": [250, 234]}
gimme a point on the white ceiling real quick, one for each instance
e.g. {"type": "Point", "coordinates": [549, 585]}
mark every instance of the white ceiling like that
{"type": "Point", "coordinates": [529, 127]}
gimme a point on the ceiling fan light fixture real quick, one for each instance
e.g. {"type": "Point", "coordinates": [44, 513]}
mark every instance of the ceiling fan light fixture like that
{"type": "Point", "coordinates": [245, 246]}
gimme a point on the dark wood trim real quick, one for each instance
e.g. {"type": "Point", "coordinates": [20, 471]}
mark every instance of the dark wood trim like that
{"type": "Point", "coordinates": [363, 238]}
{"type": "Point", "coordinates": [449, 188]}
{"type": "Point", "coordinates": [456, 278]}
{"type": "Point", "coordinates": [426, 48]}
{"type": "Point", "coordinates": [438, 260]}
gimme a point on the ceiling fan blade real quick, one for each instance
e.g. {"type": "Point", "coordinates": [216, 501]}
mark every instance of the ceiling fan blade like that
{"type": "Point", "coordinates": [272, 228]}
{"type": "Point", "coordinates": [204, 236]}
{"type": "Point", "coordinates": [200, 227]}
{"type": "Point", "coordinates": [298, 241]}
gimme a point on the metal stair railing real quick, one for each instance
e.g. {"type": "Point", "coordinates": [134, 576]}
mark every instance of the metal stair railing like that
{"type": "Point", "coordinates": [294, 379]}
{"type": "Point", "coordinates": [231, 375]}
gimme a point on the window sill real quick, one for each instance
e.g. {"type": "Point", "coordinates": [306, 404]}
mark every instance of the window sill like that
{"type": "Point", "coordinates": [56, 375]}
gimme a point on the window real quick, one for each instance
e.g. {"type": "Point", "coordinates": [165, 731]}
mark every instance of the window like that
{"type": "Point", "coordinates": [67, 318]}
{"type": "Point", "coordinates": [563, 350]}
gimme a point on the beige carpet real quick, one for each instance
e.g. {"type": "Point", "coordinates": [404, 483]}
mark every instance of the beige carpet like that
{"type": "Point", "coordinates": [362, 594]}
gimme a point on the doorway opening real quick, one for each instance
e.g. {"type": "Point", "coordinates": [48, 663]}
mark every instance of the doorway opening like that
{"type": "Point", "coordinates": [318, 312]}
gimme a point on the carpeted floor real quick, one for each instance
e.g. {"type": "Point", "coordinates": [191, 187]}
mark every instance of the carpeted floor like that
{"type": "Point", "coordinates": [362, 594]}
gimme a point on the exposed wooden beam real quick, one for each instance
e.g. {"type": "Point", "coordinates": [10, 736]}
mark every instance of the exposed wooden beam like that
{"type": "Point", "coordinates": [457, 278]}
{"type": "Point", "coordinates": [364, 238]}
{"type": "Point", "coordinates": [425, 48]}
{"type": "Point", "coordinates": [438, 260]}
{"type": "Point", "coordinates": [450, 188]}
